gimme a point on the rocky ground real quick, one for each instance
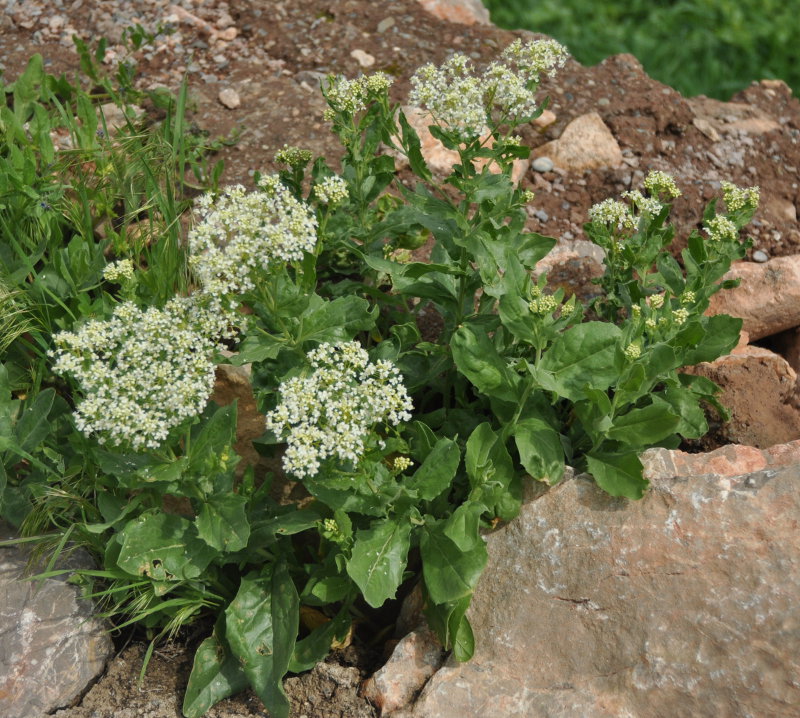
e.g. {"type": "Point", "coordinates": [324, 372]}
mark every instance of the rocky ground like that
{"type": "Point", "coordinates": [254, 68]}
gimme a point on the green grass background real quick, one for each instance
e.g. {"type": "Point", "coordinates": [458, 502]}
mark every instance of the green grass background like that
{"type": "Point", "coordinates": [710, 47]}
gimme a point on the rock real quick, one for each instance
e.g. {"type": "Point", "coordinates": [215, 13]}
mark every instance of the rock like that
{"type": "Point", "coordinates": [682, 604]}
{"type": "Point", "coordinates": [787, 344]}
{"type": "Point", "coordinates": [363, 58]}
{"type": "Point", "coordinates": [385, 24]}
{"type": "Point", "coordinates": [760, 256]}
{"type": "Point", "coordinates": [441, 160]}
{"type": "Point", "coordinates": [768, 298]}
{"type": "Point", "coordinates": [757, 388]}
{"type": "Point", "coordinates": [543, 121]}
{"type": "Point", "coordinates": [229, 98]}
{"type": "Point", "coordinates": [585, 144]}
{"type": "Point", "coordinates": [714, 118]}
{"type": "Point", "coordinates": [51, 647]}
{"type": "Point", "coordinates": [414, 660]}
{"type": "Point", "coordinates": [464, 12]}
{"type": "Point", "coordinates": [542, 164]}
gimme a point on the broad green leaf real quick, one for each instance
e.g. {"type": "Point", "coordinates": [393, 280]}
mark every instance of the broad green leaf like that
{"type": "Point", "coordinates": [317, 644]}
{"type": "Point", "coordinates": [335, 321]}
{"type": "Point", "coordinates": [463, 525]}
{"type": "Point", "coordinates": [222, 522]}
{"type": "Point", "coordinates": [261, 626]}
{"type": "Point", "coordinates": [449, 572]}
{"type": "Point", "coordinates": [257, 347]}
{"type": "Point", "coordinates": [413, 148]}
{"type": "Point", "coordinates": [582, 356]}
{"type": "Point", "coordinates": [540, 450]}
{"type": "Point", "coordinates": [487, 459]}
{"type": "Point", "coordinates": [446, 620]}
{"type": "Point", "coordinates": [164, 547]}
{"type": "Point", "coordinates": [215, 675]}
{"type": "Point", "coordinates": [33, 426]}
{"type": "Point", "coordinates": [264, 531]}
{"type": "Point", "coordinates": [722, 335]}
{"type": "Point", "coordinates": [685, 404]}
{"type": "Point", "coordinates": [618, 474]}
{"type": "Point", "coordinates": [214, 435]}
{"type": "Point", "coordinates": [437, 471]}
{"type": "Point", "coordinates": [478, 360]}
{"type": "Point", "coordinates": [327, 589]}
{"type": "Point", "coordinates": [379, 559]}
{"type": "Point", "coordinates": [463, 639]}
{"type": "Point", "coordinates": [645, 426]}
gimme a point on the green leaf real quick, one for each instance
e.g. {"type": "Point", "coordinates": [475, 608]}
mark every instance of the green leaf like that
{"type": "Point", "coordinates": [379, 559]}
{"type": "Point", "coordinates": [215, 675]}
{"type": "Point", "coordinates": [222, 522]}
{"type": "Point", "coordinates": [256, 348]}
{"type": "Point", "coordinates": [618, 474]}
{"type": "Point", "coordinates": [540, 450]}
{"type": "Point", "coordinates": [645, 426]}
{"type": "Point", "coordinates": [582, 356]}
{"type": "Point", "coordinates": [722, 335]}
{"type": "Point", "coordinates": [450, 623]}
{"type": "Point", "coordinates": [413, 148]}
{"type": "Point", "coordinates": [164, 547]}
{"type": "Point", "coordinates": [335, 321]}
{"type": "Point", "coordinates": [463, 639]}
{"type": "Point", "coordinates": [214, 435]}
{"type": "Point", "coordinates": [478, 360]}
{"type": "Point", "coordinates": [463, 525]}
{"type": "Point", "coordinates": [317, 644]}
{"type": "Point", "coordinates": [692, 423]}
{"type": "Point", "coordinates": [437, 471]}
{"type": "Point", "coordinates": [449, 572]}
{"type": "Point", "coordinates": [486, 457]}
{"type": "Point", "coordinates": [261, 627]}
{"type": "Point", "coordinates": [33, 426]}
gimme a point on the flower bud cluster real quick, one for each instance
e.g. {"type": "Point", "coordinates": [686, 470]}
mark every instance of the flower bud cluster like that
{"type": "Point", "coordinates": [737, 198]}
{"type": "Point", "coordinates": [644, 205]}
{"type": "Point", "coordinates": [332, 191]}
{"type": "Point", "coordinates": [658, 183]}
{"type": "Point", "coordinates": [330, 412]}
{"type": "Point", "coordinates": [721, 228]}
{"type": "Point", "coordinates": [242, 234]}
{"type": "Point", "coordinates": [461, 100]}
{"type": "Point", "coordinates": [120, 270]}
{"type": "Point", "coordinates": [293, 156]}
{"type": "Point", "coordinates": [352, 96]}
{"type": "Point", "coordinates": [613, 214]}
{"type": "Point", "coordinates": [142, 372]}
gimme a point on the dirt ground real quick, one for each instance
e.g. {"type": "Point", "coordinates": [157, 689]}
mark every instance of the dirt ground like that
{"type": "Point", "coordinates": [272, 54]}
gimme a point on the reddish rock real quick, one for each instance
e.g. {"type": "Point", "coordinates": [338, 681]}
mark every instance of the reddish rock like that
{"type": "Point", "coordinates": [767, 299]}
{"type": "Point", "coordinates": [464, 12]}
{"type": "Point", "coordinates": [414, 660]}
{"type": "Point", "coordinates": [682, 604]}
{"type": "Point", "coordinates": [585, 144]}
{"type": "Point", "coordinates": [758, 389]}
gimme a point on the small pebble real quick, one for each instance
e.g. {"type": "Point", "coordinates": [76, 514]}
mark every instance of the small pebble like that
{"type": "Point", "coordinates": [760, 256]}
{"type": "Point", "coordinates": [541, 215]}
{"type": "Point", "coordinates": [385, 24]}
{"type": "Point", "coordinates": [542, 164]}
{"type": "Point", "coordinates": [230, 98]}
{"type": "Point", "coordinates": [363, 58]}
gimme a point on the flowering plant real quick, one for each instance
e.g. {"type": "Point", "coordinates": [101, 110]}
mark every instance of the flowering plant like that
{"type": "Point", "coordinates": [405, 447]}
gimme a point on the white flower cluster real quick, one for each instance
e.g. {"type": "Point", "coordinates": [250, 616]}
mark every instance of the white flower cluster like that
{"type": "Point", "coordinates": [737, 198]}
{"type": "Point", "coordinates": [461, 100]}
{"type": "Point", "coordinates": [243, 233]}
{"type": "Point", "coordinates": [351, 96]}
{"type": "Point", "coordinates": [331, 411]}
{"type": "Point", "coordinates": [613, 214]}
{"type": "Point", "coordinates": [332, 190]}
{"type": "Point", "coordinates": [721, 228]}
{"type": "Point", "coordinates": [142, 372]}
{"type": "Point", "coordinates": [121, 269]}
{"type": "Point", "coordinates": [643, 204]}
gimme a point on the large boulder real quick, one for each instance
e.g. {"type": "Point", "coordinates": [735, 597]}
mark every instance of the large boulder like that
{"type": "Point", "coordinates": [51, 646]}
{"type": "Point", "coordinates": [682, 604]}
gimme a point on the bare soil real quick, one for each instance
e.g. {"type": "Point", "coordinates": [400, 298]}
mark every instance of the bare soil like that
{"type": "Point", "coordinates": [272, 54]}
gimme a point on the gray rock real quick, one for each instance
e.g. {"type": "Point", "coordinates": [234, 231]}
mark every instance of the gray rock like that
{"type": "Point", "coordinates": [684, 604]}
{"type": "Point", "coordinates": [760, 256]}
{"type": "Point", "coordinates": [51, 647]}
{"type": "Point", "coordinates": [542, 164]}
